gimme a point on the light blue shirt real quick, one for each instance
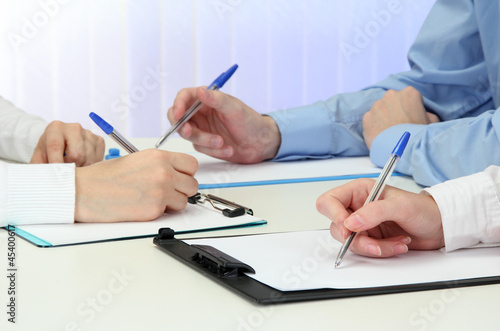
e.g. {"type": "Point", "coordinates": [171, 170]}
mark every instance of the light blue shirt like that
{"type": "Point", "coordinates": [455, 66]}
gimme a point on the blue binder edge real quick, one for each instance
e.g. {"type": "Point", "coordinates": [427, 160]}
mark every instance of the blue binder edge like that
{"type": "Point", "coordinates": [45, 244]}
{"type": "Point", "coordinates": [28, 236]}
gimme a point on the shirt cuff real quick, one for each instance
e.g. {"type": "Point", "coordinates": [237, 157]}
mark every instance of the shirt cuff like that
{"type": "Point", "coordinates": [303, 135]}
{"type": "Point", "coordinates": [468, 206]}
{"type": "Point", "coordinates": [39, 193]}
{"type": "Point", "coordinates": [385, 142]}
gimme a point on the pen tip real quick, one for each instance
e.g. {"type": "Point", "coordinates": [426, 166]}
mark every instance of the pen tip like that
{"type": "Point", "coordinates": [337, 264]}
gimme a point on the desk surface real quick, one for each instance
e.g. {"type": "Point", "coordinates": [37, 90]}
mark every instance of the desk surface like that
{"type": "Point", "coordinates": [132, 285]}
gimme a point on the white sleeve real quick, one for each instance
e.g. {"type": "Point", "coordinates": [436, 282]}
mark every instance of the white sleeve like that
{"type": "Point", "coordinates": [37, 193]}
{"type": "Point", "coordinates": [19, 132]}
{"type": "Point", "coordinates": [470, 209]}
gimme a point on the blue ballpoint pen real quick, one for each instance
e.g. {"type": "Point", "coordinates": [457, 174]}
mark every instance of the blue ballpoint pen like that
{"type": "Point", "coordinates": [378, 187]}
{"type": "Point", "coordinates": [216, 84]}
{"type": "Point", "coordinates": [115, 135]}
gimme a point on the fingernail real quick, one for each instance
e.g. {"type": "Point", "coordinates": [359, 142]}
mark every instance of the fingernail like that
{"type": "Point", "coordinates": [228, 151]}
{"type": "Point", "coordinates": [399, 249]}
{"type": "Point", "coordinates": [342, 231]}
{"type": "Point", "coordinates": [216, 142]}
{"type": "Point", "coordinates": [406, 240]}
{"type": "Point", "coordinates": [182, 131]}
{"type": "Point", "coordinates": [208, 94]}
{"type": "Point", "coordinates": [354, 222]}
{"type": "Point", "coordinates": [373, 250]}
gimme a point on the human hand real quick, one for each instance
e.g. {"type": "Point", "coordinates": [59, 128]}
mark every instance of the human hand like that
{"type": "Point", "coordinates": [68, 143]}
{"type": "Point", "coordinates": [396, 107]}
{"type": "Point", "coordinates": [225, 127]}
{"type": "Point", "coordinates": [136, 187]}
{"type": "Point", "coordinates": [398, 221]}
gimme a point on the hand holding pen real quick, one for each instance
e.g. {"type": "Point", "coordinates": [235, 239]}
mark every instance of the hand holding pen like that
{"type": "Point", "coordinates": [225, 127]}
{"type": "Point", "coordinates": [216, 85]}
{"type": "Point", "coordinates": [378, 187]}
{"type": "Point", "coordinates": [398, 221]}
{"type": "Point", "coordinates": [142, 185]}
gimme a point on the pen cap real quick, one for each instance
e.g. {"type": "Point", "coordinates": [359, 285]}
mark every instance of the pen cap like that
{"type": "Point", "coordinates": [105, 126]}
{"type": "Point", "coordinates": [224, 77]}
{"type": "Point", "coordinates": [401, 145]}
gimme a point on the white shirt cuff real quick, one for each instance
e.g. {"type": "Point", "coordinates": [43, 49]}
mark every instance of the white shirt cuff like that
{"type": "Point", "coordinates": [37, 193]}
{"type": "Point", "coordinates": [470, 211]}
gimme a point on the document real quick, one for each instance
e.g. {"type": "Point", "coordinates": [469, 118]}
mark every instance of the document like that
{"type": "Point", "coordinates": [193, 218]}
{"type": "Point", "coordinates": [305, 260]}
{"type": "Point", "coordinates": [214, 173]}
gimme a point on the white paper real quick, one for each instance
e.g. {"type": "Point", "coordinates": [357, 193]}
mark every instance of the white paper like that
{"type": "Point", "coordinates": [304, 260]}
{"type": "Point", "coordinates": [215, 172]}
{"type": "Point", "coordinates": [193, 217]}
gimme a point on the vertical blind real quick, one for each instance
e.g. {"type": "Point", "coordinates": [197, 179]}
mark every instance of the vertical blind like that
{"type": "Point", "coordinates": [127, 59]}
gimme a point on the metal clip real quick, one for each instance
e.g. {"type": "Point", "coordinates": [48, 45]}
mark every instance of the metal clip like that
{"type": "Point", "coordinates": [232, 209]}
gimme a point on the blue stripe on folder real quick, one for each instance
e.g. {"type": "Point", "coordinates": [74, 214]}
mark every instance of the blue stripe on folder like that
{"type": "Point", "coordinates": [28, 236]}
{"type": "Point", "coordinates": [289, 181]}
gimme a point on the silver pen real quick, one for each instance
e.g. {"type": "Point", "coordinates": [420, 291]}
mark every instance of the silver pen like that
{"type": "Point", "coordinates": [378, 187]}
{"type": "Point", "coordinates": [216, 84]}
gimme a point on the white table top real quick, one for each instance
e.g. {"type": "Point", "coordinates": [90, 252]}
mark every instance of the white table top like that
{"type": "Point", "coordinates": [133, 285]}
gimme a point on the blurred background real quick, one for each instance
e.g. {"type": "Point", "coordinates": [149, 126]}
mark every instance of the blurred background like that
{"type": "Point", "coordinates": [127, 59]}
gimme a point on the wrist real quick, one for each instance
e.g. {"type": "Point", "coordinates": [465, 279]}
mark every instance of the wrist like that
{"type": "Point", "coordinates": [85, 191]}
{"type": "Point", "coordinates": [271, 138]}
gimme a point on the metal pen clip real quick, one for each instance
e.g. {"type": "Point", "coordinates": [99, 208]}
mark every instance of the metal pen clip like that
{"type": "Point", "coordinates": [231, 209]}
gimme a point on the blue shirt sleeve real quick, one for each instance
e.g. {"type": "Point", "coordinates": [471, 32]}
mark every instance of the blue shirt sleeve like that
{"type": "Point", "coordinates": [455, 66]}
{"type": "Point", "coordinates": [442, 151]}
{"type": "Point", "coordinates": [325, 129]}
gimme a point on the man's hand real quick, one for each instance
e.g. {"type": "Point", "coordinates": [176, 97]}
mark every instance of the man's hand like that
{"type": "Point", "coordinates": [396, 107]}
{"type": "Point", "coordinates": [68, 143]}
{"type": "Point", "coordinates": [398, 221]}
{"type": "Point", "coordinates": [225, 127]}
{"type": "Point", "coordinates": [135, 187]}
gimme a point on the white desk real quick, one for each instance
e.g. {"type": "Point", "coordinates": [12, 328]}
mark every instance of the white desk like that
{"type": "Point", "coordinates": [80, 287]}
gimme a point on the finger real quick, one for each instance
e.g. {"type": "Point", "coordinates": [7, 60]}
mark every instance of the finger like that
{"type": "Point", "coordinates": [55, 147]}
{"type": "Point", "coordinates": [222, 102]}
{"type": "Point", "coordinates": [200, 137]}
{"type": "Point", "coordinates": [339, 232]}
{"type": "Point", "coordinates": [186, 185]}
{"type": "Point", "coordinates": [76, 143]}
{"type": "Point", "coordinates": [184, 163]}
{"type": "Point", "coordinates": [170, 114]}
{"type": "Point", "coordinates": [177, 201]}
{"type": "Point", "coordinates": [332, 207]}
{"type": "Point", "coordinates": [183, 100]}
{"type": "Point", "coordinates": [375, 213]}
{"type": "Point", "coordinates": [94, 148]}
{"type": "Point", "coordinates": [367, 246]}
{"type": "Point", "coordinates": [432, 118]}
{"type": "Point", "coordinates": [335, 202]}
{"type": "Point", "coordinates": [100, 148]}
{"type": "Point", "coordinates": [224, 153]}
{"type": "Point", "coordinates": [38, 156]}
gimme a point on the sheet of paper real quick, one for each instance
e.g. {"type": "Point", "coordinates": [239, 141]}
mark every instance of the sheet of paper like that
{"type": "Point", "coordinates": [217, 173]}
{"type": "Point", "coordinates": [192, 218]}
{"type": "Point", "coordinates": [305, 260]}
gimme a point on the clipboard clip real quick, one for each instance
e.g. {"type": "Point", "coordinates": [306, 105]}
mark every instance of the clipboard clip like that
{"type": "Point", "coordinates": [207, 257]}
{"type": "Point", "coordinates": [231, 209]}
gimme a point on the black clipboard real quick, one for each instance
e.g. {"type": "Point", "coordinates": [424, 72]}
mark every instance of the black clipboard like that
{"type": "Point", "coordinates": [230, 273]}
